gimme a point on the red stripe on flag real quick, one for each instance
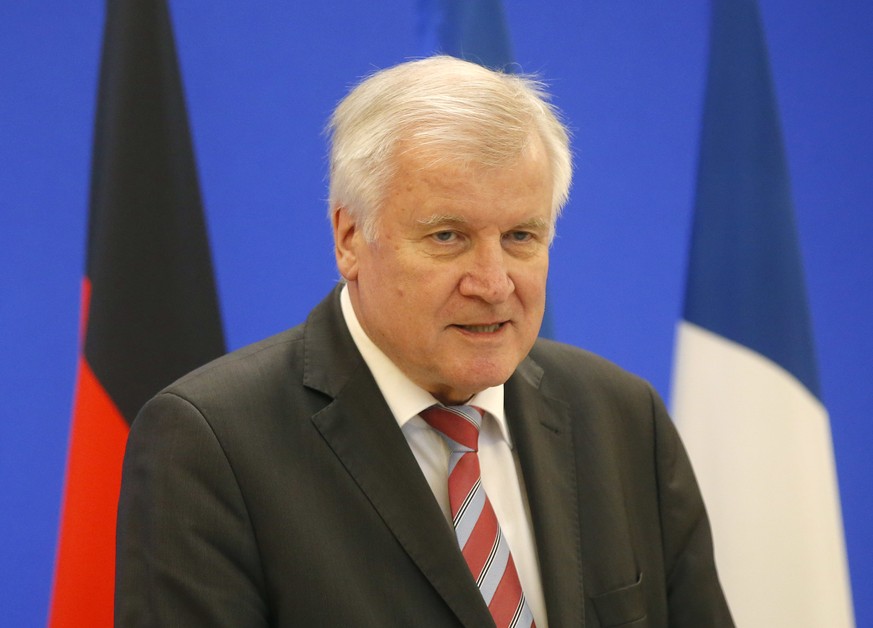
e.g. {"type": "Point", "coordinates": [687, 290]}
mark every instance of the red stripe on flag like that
{"type": "Point", "coordinates": [85, 570]}
{"type": "Point", "coordinates": [84, 309]}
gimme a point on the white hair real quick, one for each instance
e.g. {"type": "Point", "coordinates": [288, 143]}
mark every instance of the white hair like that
{"type": "Point", "coordinates": [451, 110]}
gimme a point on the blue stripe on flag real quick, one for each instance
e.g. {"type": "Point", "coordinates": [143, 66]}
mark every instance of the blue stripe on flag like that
{"type": "Point", "coordinates": [474, 30]}
{"type": "Point", "coordinates": [745, 278]}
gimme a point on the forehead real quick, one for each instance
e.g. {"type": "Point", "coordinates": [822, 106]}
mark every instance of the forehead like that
{"type": "Point", "coordinates": [428, 191]}
{"type": "Point", "coordinates": [442, 174]}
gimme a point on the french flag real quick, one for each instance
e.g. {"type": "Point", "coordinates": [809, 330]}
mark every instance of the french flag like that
{"type": "Point", "coordinates": [746, 394]}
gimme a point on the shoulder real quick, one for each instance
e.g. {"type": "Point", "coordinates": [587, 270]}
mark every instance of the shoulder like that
{"type": "Point", "coordinates": [570, 370]}
{"type": "Point", "coordinates": [232, 410]}
{"type": "Point", "coordinates": [249, 389]}
{"type": "Point", "coordinates": [596, 392]}
{"type": "Point", "coordinates": [267, 384]}
{"type": "Point", "coordinates": [256, 366]}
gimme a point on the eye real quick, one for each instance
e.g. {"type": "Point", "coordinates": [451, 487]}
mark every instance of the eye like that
{"type": "Point", "coordinates": [520, 236]}
{"type": "Point", "coordinates": [445, 236]}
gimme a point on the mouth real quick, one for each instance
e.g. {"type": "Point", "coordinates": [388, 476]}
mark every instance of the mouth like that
{"type": "Point", "coordinates": [482, 329]}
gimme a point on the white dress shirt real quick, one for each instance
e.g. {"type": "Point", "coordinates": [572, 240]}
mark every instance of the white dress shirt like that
{"type": "Point", "coordinates": [501, 476]}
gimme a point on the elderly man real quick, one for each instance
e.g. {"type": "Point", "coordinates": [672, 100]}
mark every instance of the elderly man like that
{"type": "Point", "coordinates": [412, 455]}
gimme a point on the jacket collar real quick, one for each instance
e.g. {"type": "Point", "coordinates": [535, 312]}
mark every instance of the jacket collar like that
{"type": "Point", "coordinates": [375, 454]}
{"type": "Point", "coordinates": [363, 434]}
{"type": "Point", "coordinates": [542, 430]}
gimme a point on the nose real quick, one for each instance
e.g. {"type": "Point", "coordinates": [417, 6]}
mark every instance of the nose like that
{"type": "Point", "coordinates": [487, 278]}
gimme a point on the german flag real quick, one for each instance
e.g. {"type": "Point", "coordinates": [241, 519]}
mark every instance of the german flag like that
{"type": "Point", "coordinates": [149, 306]}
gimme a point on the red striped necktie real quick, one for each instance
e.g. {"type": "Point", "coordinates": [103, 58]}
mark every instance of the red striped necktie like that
{"type": "Point", "coordinates": [483, 545]}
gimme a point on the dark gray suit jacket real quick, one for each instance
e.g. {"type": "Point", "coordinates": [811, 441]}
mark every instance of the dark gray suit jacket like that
{"type": "Point", "coordinates": [273, 487]}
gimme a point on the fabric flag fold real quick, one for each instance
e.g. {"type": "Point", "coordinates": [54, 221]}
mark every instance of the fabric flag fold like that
{"type": "Point", "coordinates": [746, 395]}
{"type": "Point", "coordinates": [474, 30]}
{"type": "Point", "coordinates": [149, 306]}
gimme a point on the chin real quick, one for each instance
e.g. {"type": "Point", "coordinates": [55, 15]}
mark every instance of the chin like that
{"type": "Point", "coordinates": [485, 380]}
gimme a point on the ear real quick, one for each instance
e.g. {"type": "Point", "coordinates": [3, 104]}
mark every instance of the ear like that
{"type": "Point", "coordinates": [346, 238]}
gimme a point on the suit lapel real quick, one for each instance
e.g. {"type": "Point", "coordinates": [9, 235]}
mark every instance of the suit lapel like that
{"type": "Point", "coordinates": [363, 434]}
{"type": "Point", "coordinates": [542, 434]}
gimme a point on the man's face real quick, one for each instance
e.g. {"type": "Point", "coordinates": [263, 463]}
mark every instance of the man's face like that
{"type": "Point", "coordinates": [453, 288]}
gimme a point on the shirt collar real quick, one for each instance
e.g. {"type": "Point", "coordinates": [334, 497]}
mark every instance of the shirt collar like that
{"type": "Point", "coordinates": [405, 398]}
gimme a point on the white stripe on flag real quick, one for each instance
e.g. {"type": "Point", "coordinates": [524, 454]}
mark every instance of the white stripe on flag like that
{"type": "Point", "coordinates": [761, 447]}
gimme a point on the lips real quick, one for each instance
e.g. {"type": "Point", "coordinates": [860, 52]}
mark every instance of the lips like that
{"type": "Point", "coordinates": [482, 329]}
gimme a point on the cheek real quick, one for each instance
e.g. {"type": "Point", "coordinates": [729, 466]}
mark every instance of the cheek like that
{"type": "Point", "coordinates": [398, 267]}
{"type": "Point", "coordinates": [530, 283]}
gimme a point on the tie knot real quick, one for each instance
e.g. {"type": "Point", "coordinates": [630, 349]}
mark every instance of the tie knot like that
{"type": "Point", "coordinates": [457, 423]}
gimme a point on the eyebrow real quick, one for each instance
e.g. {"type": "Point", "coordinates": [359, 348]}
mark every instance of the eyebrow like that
{"type": "Point", "coordinates": [441, 219]}
{"type": "Point", "coordinates": [535, 224]}
{"type": "Point", "coordinates": [448, 219]}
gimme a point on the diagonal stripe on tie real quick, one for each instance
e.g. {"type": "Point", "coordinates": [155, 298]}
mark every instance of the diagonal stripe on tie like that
{"type": "Point", "coordinates": [482, 543]}
{"type": "Point", "coordinates": [480, 547]}
{"type": "Point", "coordinates": [468, 515]}
{"type": "Point", "coordinates": [506, 608]}
{"type": "Point", "coordinates": [494, 568]}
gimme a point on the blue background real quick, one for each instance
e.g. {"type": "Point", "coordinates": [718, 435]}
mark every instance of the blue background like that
{"type": "Point", "coordinates": [261, 78]}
